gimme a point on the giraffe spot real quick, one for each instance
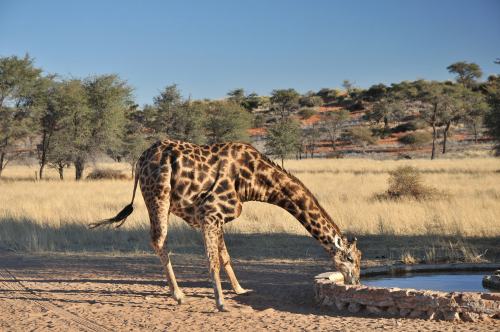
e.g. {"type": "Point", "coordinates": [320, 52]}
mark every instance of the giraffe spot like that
{"type": "Point", "coordinates": [264, 180]}
{"type": "Point", "coordinates": [245, 173]}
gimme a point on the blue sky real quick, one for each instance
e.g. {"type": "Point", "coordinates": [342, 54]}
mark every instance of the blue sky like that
{"type": "Point", "coordinates": [210, 47]}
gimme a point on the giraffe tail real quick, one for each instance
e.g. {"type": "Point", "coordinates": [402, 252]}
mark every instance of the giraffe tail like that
{"type": "Point", "coordinates": [121, 217]}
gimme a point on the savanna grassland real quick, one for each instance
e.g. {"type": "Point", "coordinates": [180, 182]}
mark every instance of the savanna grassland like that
{"type": "Point", "coordinates": [460, 221]}
{"type": "Point", "coordinates": [57, 274]}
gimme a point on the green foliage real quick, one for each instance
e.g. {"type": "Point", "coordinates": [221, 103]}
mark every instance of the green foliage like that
{"type": "Point", "coordinates": [416, 139]}
{"type": "Point", "coordinates": [406, 182]}
{"type": "Point", "coordinates": [20, 86]}
{"type": "Point", "coordinates": [409, 126]}
{"type": "Point", "coordinates": [307, 112]}
{"type": "Point", "coordinates": [492, 119]}
{"type": "Point", "coordinates": [175, 118]}
{"type": "Point", "coordinates": [284, 101]}
{"type": "Point", "coordinates": [467, 73]}
{"type": "Point", "coordinates": [375, 93]}
{"type": "Point", "coordinates": [362, 136]}
{"type": "Point", "coordinates": [334, 124]}
{"type": "Point", "coordinates": [327, 95]}
{"type": "Point", "coordinates": [310, 100]}
{"type": "Point", "coordinates": [227, 121]}
{"type": "Point", "coordinates": [283, 139]}
{"type": "Point", "coordinates": [248, 102]}
{"type": "Point", "coordinates": [135, 140]}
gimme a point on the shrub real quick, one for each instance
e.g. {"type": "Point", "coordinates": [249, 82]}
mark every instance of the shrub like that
{"type": "Point", "coordinates": [306, 113]}
{"type": "Point", "coordinates": [408, 126]}
{"type": "Point", "coordinates": [106, 174]}
{"type": "Point", "coordinates": [406, 181]}
{"type": "Point", "coordinates": [417, 139]}
{"type": "Point", "coordinates": [362, 136]}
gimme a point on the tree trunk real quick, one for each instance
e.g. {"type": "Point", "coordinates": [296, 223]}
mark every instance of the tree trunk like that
{"type": "Point", "coordinates": [445, 136]}
{"type": "Point", "coordinates": [434, 134]}
{"type": "Point", "coordinates": [43, 157]}
{"type": "Point", "coordinates": [60, 169]}
{"type": "Point", "coordinates": [79, 167]}
{"type": "Point", "coordinates": [2, 158]}
{"type": "Point", "coordinates": [282, 163]}
{"type": "Point", "coordinates": [474, 128]}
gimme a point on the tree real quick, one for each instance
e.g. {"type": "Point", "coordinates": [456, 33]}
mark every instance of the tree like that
{"type": "Point", "coordinates": [107, 98]}
{"type": "Point", "coordinates": [386, 110]}
{"type": "Point", "coordinates": [452, 110]}
{"type": "Point", "coordinates": [19, 87]}
{"type": "Point", "coordinates": [284, 102]}
{"type": "Point", "coordinates": [467, 73]}
{"type": "Point", "coordinates": [283, 139]}
{"type": "Point", "coordinates": [362, 136]}
{"type": "Point", "coordinates": [59, 103]}
{"type": "Point", "coordinates": [310, 100]}
{"type": "Point", "coordinates": [252, 101]}
{"type": "Point", "coordinates": [334, 124]}
{"type": "Point", "coordinates": [327, 95]}
{"type": "Point", "coordinates": [135, 141]}
{"type": "Point", "coordinates": [237, 96]}
{"type": "Point", "coordinates": [348, 86]}
{"type": "Point", "coordinates": [311, 137]}
{"type": "Point", "coordinates": [248, 102]}
{"type": "Point", "coordinates": [492, 119]}
{"type": "Point", "coordinates": [227, 121]}
{"type": "Point", "coordinates": [72, 135]}
{"type": "Point", "coordinates": [176, 118]}
{"type": "Point", "coordinates": [433, 103]}
{"type": "Point", "coordinates": [376, 93]}
{"type": "Point", "coordinates": [475, 109]}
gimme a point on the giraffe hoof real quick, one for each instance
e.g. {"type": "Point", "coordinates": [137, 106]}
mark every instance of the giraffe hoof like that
{"type": "Point", "coordinates": [243, 291]}
{"type": "Point", "coordinates": [222, 308]}
{"type": "Point", "coordinates": [182, 300]}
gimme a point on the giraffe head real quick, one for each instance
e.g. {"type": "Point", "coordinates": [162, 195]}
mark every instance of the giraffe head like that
{"type": "Point", "coordinates": [347, 260]}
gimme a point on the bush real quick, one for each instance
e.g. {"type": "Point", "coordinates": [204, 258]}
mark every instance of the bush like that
{"type": "Point", "coordinates": [406, 181]}
{"type": "Point", "coordinates": [106, 174]}
{"type": "Point", "coordinates": [416, 139]}
{"type": "Point", "coordinates": [408, 126]}
{"type": "Point", "coordinates": [306, 113]}
{"type": "Point", "coordinates": [362, 136]}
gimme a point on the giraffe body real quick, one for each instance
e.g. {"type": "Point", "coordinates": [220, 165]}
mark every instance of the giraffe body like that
{"type": "Point", "coordinates": [207, 185]}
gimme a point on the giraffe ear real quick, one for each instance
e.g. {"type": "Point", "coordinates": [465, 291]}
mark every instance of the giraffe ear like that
{"type": "Point", "coordinates": [338, 242]}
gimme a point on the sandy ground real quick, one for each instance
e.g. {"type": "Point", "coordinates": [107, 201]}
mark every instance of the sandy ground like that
{"type": "Point", "coordinates": [92, 292]}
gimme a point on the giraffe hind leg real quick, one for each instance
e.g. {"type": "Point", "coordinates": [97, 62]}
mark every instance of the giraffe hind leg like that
{"type": "Point", "coordinates": [225, 261]}
{"type": "Point", "coordinates": [158, 209]}
{"type": "Point", "coordinates": [210, 229]}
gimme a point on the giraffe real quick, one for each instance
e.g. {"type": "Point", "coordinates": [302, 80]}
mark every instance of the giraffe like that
{"type": "Point", "coordinates": [206, 186]}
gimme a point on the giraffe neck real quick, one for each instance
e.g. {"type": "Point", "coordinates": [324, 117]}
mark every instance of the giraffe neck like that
{"type": "Point", "coordinates": [282, 189]}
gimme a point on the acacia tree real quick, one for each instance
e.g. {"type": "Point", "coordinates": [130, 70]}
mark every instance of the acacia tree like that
{"type": "Point", "coordinates": [176, 118]}
{"type": "Point", "coordinates": [284, 102]}
{"type": "Point", "coordinates": [19, 86]}
{"type": "Point", "coordinates": [100, 128]}
{"type": "Point", "coordinates": [135, 140]}
{"type": "Point", "coordinates": [467, 73]}
{"type": "Point", "coordinates": [334, 124]}
{"type": "Point", "coordinates": [227, 121]}
{"type": "Point", "coordinates": [476, 108]}
{"type": "Point", "coordinates": [283, 139]}
{"type": "Point", "coordinates": [492, 119]}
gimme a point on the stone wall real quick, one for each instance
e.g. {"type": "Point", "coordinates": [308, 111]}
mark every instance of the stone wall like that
{"type": "Point", "coordinates": [460, 306]}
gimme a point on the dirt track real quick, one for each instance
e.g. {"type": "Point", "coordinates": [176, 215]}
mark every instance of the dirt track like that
{"type": "Point", "coordinates": [119, 293]}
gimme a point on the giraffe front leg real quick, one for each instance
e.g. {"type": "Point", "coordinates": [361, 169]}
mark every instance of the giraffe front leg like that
{"type": "Point", "coordinates": [211, 229]}
{"type": "Point", "coordinates": [225, 261]}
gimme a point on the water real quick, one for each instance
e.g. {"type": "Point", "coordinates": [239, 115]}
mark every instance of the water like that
{"type": "Point", "coordinates": [447, 282]}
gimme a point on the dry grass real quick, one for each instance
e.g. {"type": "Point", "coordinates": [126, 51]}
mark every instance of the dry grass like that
{"type": "Point", "coordinates": [48, 215]}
